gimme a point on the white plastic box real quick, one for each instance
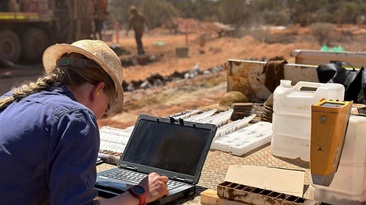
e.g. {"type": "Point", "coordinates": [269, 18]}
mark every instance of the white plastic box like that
{"type": "Point", "coordinates": [349, 183]}
{"type": "Point", "coordinates": [245, 139]}
{"type": "Point", "coordinates": [291, 121]}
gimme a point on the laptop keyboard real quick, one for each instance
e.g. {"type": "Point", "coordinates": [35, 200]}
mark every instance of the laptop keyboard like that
{"type": "Point", "coordinates": [135, 177]}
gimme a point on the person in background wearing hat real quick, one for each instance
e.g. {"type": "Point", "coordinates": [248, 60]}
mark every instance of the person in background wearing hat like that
{"type": "Point", "coordinates": [137, 22]}
{"type": "Point", "coordinates": [49, 139]}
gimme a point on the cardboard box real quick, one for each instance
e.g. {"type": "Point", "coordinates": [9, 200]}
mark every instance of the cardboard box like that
{"type": "Point", "coordinates": [280, 180]}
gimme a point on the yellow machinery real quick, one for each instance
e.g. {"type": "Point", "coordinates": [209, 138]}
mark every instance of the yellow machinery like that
{"type": "Point", "coordinates": [28, 27]}
{"type": "Point", "coordinates": [329, 121]}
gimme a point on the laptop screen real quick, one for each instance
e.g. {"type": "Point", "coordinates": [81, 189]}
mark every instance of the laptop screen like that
{"type": "Point", "coordinates": [168, 146]}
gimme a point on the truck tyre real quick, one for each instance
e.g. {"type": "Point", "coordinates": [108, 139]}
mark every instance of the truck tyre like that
{"type": "Point", "coordinates": [10, 47]}
{"type": "Point", "coordinates": [34, 42]}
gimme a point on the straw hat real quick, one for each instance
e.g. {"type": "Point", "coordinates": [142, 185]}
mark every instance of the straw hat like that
{"type": "Point", "coordinates": [96, 50]}
{"type": "Point", "coordinates": [133, 8]}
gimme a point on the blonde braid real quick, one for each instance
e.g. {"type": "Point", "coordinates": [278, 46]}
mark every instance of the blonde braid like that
{"type": "Point", "coordinates": [66, 74]}
{"type": "Point", "coordinates": [25, 90]}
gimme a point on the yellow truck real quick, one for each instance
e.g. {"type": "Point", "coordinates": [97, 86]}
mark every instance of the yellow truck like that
{"type": "Point", "coordinates": [28, 27]}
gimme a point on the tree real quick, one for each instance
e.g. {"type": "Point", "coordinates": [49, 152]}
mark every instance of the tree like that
{"type": "Point", "coordinates": [234, 12]}
{"type": "Point", "coordinates": [243, 13]}
{"type": "Point", "coordinates": [158, 12]}
{"type": "Point", "coordinates": [204, 10]}
{"type": "Point", "coordinates": [348, 12]}
{"type": "Point", "coordinates": [270, 12]}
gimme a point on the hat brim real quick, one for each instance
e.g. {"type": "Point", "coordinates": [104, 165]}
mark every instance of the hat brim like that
{"type": "Point", "coordinates": [54, 52]}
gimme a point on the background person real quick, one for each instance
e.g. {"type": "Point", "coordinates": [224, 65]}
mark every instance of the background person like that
{"type": "Point", "coordinates": [100, 16]}
{"type": "Point", "coordinates": [137, 22]}
{"type": "Point", "coordinates": [49, 139]}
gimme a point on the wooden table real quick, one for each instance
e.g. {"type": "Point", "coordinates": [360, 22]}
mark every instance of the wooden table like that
{"type": "Point", "coordinates": [218, 162]}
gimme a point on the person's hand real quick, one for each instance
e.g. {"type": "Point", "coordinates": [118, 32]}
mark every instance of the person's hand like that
{"type": "Point", "coordinates": [155, 186]}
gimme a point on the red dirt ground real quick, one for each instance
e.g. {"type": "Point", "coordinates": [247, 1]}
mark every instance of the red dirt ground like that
{"type": "Point", "coordinates": [187, 94]}
{"type": "Point", "coordinates": [213, 51]}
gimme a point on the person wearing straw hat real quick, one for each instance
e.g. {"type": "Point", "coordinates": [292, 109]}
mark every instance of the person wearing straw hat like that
{"type": "Point", "coordinates": [49, 136]}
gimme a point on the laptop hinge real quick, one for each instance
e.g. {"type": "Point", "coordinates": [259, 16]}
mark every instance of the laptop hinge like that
{"type": "Point", "coordinates": [183, 180]}
{"type": "Point", "coordinates": [131, 168]}
{"type": "Point", "coordinates": [127, 167]}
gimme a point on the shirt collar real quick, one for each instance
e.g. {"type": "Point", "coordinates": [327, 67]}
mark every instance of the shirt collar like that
{"type": "Point", "coordinates": [60, 88]}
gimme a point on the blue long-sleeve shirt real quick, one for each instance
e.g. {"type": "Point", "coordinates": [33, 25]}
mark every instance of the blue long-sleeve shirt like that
{"type": "Point", "coordinates": [48, 149]}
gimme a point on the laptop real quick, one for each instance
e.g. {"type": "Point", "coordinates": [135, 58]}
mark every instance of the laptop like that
{"type": "Point", "coordinates": [171, 147]}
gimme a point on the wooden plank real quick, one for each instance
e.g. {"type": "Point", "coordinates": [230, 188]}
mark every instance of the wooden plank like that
{"type": "Point", "coordinates": [210, 197]}
{"type": "Point", "coordinates": [314, 57]}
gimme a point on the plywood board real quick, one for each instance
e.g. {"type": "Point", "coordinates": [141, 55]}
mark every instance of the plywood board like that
{"type": "Point", "coordinates": [315, 57]}
{"type": "Point", "coordinates": [275, 179]}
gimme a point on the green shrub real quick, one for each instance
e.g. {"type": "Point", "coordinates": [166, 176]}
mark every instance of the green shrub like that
{"type": "Point", "coordinates": [322, 32]}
